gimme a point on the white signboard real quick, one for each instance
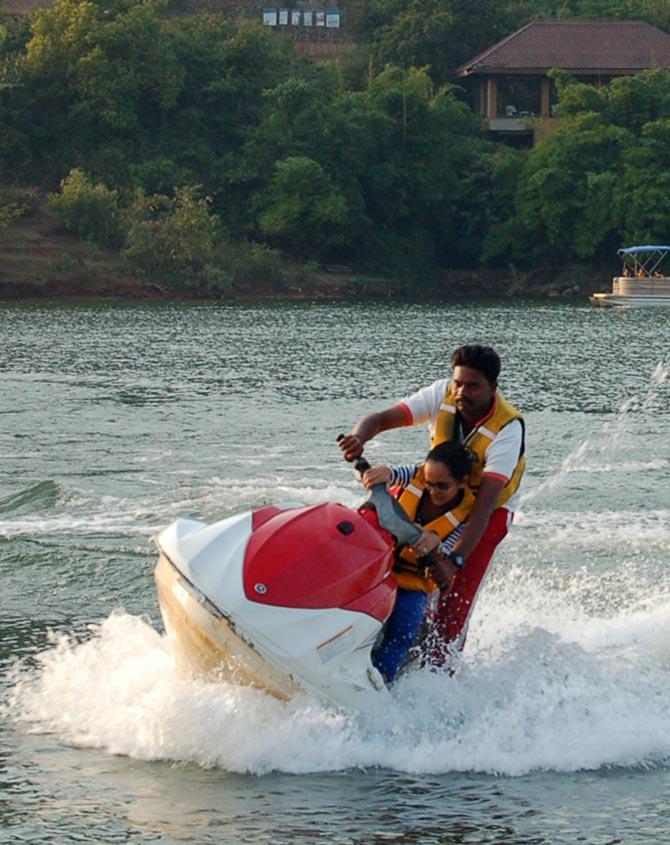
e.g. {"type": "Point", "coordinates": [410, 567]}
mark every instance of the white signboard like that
{"type": "Point", "coordinates": [332, 19]}
{"type": "Point", "coordinates": [308, 18]}
{"type": "Point", "coordinates": [270, 17]}
{"type": "Point", "coordinates": [320, 18]}
{"type": "Point", "coordinates": [295, 17]}
{"type": "Point", "coordinates": [283, 17]}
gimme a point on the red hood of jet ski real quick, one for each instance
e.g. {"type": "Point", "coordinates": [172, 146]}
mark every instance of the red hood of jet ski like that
{"type": "Point", "coordinates": [320, 556]}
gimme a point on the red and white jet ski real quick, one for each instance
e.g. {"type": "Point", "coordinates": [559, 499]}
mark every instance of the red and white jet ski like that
{"type": "Point", "coordinates": [284, 597]}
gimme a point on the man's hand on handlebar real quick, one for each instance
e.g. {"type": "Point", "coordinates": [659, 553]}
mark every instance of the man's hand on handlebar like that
{"type": "Point", "coordinates": [442, 571]}
{"type": "Point", "coordinates": [351, 446]}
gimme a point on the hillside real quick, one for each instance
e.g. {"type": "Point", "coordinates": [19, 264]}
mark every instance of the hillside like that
{"type": "Point", "coordinates": [39, 259]}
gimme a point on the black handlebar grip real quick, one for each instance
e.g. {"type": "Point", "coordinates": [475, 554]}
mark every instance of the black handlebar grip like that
{"type": "Point", "coordinates": [361, 465]}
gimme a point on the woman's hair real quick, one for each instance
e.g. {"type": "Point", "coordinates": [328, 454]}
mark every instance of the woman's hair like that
{"type": "Point", "coordinates": [455, 457]}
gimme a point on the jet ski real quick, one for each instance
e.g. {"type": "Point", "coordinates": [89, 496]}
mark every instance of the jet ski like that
{"type": "Point", "coordinates": [286, 597]}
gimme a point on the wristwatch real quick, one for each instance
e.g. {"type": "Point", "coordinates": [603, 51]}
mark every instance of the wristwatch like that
{"type": "Point", "coordinates": [456, 559]}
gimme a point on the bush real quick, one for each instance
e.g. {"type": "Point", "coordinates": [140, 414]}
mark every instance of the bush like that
{"type": "Point", "coordinates": [25, 199]}
{"type": "Point", "coordinates": [16, 202]}
{"type": "Point", "coordinates": [7, 214]}
{"type": "Point", "coordinates": [87, 210]}
{"type": "Point", "coordinates": [256, 265]}
{"type": "Point", "coordinates": [246, 266]}
{"type": "Point", "coordinates": [171, 237]}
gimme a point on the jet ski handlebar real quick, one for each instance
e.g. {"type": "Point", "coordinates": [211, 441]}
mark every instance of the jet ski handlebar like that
{"type": "Point", "coordinates": [391, 516]}
{"type": "Point", "coordinates": [361, 465]}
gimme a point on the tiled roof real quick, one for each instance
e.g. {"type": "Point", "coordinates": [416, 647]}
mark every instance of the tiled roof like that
{"type": "Point", "coordinates": [587, 46]}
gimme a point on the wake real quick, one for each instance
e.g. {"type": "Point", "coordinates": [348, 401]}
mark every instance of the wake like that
{"type": "Point", "coordinates": [543, 686]}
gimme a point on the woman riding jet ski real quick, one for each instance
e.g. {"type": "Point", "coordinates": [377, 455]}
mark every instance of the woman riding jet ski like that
{"type": "Point", "coordinates": [288, 598]}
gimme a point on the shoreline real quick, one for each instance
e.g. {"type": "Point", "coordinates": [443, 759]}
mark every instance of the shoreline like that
{"type": "Point", "coordinates": [40, 261]}
{"type": "Point", "coordinates": [343, 289]}
{"type": "Point", "coordinates": [270, 299]}
{"type": "Point", "coordinates": [148, 296]}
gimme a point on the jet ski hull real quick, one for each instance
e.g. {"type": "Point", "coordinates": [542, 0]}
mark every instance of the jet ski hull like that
{"type": "Point", "coordinates": [204, 643]}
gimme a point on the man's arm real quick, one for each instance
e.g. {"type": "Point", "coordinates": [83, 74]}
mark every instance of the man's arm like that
{"type": "Point", "coordinates": [487, 496]}
{"type": "Point", "coordinates": [369, 427]}
{"type": "Point", "coordinates": [422, 406]}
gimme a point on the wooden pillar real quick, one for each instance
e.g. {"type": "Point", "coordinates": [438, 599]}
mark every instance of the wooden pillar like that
{"type": "Point", "coordinates": [492, 98]}
{"type": "Point", "coordinates": [481, 105]}
{"type": "Point", "coordinates": [545, 107]}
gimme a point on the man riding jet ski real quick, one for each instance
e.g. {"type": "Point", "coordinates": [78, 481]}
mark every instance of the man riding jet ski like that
{"type": "Point", "coordinates": [297, 597]}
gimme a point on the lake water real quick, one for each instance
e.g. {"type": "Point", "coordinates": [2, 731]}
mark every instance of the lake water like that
{"type": "Point", "coordinates": [115, 419]}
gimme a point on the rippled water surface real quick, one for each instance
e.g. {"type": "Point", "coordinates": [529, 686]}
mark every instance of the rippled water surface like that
{"type": "Point", "coordinates": [115, 419]}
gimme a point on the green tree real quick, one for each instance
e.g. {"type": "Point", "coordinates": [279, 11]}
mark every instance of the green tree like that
{"type": "Point", "coordinates": [8, 213]}
{"type": "Point", "coordinates": [575, 97]}
{"type": "Point", "coordinates": [563, 200]}
{"type": "Point", "coordinates": [84, 104]}
{"type": "Point", "coordinates": [307, 119]}
{"type": "Point", "coordinates": [415, 187]}
{"type": "Point", "coordinates": [634, 101]}
{"type": "Point", "coordinates": [599, 180]}
{"type": "Point", "coordinates": [227, 70]}
{"type": "Point", "coordinates": [641, 197]}
{"type": "Point", "coordinates": [655, 12]}
{"type": "Point", "coordinates": [397, 151]}
{"type": "Point", "coordinates": [302, 209]}
{"type": "Point", "coordinates": [437, 34]}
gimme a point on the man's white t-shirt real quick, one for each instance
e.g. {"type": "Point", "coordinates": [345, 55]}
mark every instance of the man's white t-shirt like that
{"type": "Point", "coordinates": [502, 455]}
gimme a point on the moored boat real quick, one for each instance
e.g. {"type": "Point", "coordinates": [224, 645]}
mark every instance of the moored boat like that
{"type": "Point", "coordinates": [643, 280]}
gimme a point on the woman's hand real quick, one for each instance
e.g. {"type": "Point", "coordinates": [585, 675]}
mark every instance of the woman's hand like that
{"type": "Point", "coordinates": [427, 542]}
{"type": "Point", "coordinates": [376, 475]}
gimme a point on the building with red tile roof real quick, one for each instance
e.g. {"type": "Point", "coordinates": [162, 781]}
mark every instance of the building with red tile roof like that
{"type": "Point", "coordinates": [509, 80]}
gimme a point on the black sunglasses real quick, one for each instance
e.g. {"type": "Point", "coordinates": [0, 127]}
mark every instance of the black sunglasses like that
{"type": "Point", "coordinates": [438, 485]}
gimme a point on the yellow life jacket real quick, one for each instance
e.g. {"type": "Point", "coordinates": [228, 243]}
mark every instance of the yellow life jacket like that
{"type": "Point", "coordinates": [407, 571]}
{"type": "Point", "coordinates": [480, 438]}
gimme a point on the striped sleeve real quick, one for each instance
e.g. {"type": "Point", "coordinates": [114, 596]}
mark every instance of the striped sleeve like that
{"type": "Point", "coordinates": [449, 542]}
{"type": "Point", "coordinates": [401, 476]}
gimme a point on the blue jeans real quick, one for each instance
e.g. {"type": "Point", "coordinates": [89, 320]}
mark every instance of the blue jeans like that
{"type": "Point", "coordinates": [401, 631]}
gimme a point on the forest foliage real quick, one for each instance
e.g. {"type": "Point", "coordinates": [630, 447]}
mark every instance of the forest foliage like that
{"type": "Point", "coordinates": [179, 139]}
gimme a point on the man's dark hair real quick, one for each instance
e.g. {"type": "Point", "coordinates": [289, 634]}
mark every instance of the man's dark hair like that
{"type": "Point", "coordinates": [481, 358]}
{"type": "Point", "coordinates": [454, 456]}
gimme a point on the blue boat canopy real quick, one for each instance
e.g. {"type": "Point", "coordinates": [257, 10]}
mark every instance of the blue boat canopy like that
{"type": "Point", "coordinates": [631, 250]}
{"type": "Point", "coordinates": [643, 260]}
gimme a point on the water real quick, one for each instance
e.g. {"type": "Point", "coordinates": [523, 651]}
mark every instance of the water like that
{"type": "Point", "coordinates": [114, 419]}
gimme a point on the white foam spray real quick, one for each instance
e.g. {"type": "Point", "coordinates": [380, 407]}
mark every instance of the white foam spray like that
{"type": "Point", "coordinates": [544, 685]}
